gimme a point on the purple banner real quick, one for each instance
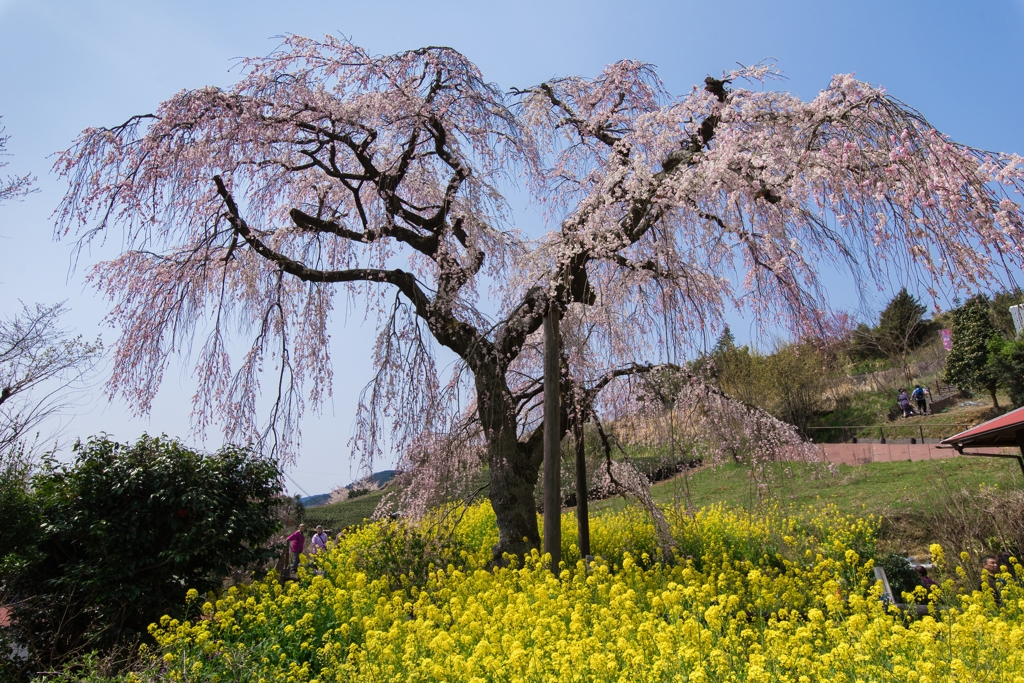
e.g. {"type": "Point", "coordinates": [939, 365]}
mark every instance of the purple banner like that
{"type": "Point", "coordinates": [947, 339]}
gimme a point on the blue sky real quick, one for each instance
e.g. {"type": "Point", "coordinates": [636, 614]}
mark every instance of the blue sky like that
{"type": "Point", "coordinates": [71, 64]}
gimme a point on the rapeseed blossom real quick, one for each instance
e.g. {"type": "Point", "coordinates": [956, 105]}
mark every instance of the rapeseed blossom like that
{"type": "Point", "coordinates": [772, 596]}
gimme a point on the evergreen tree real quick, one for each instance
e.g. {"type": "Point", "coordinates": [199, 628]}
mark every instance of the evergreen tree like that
{"type": "Point", "coordinates": [901, 326]}
{"type": "Point", "coordinates": [1006, 364]}
{"type": "Point", "coordinates": [862, 344]}
{"type": "Point", "coordinates": [967, 365]}
{"type": "Point", "coordinates": [726, 343]}
{"type": "Point", "coordinates": [733, 368]}
{"type": "Point", "coordinates": [901, 329]}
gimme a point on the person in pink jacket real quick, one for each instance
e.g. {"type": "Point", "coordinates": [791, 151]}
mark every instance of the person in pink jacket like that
{"type": "Point", "coordinates": [297, 542]}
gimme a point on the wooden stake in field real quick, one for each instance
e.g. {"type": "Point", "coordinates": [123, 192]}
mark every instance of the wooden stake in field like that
{"type": "Point", "coordinates": [552, 446]}
{"type": "Point", "coordinates": [582, 515]}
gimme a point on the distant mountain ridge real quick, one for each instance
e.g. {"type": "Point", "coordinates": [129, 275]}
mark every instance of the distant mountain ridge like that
{"type": "Point", "coordinates": [374, 481]}
{"type": "Point", "coordinates": [315, 501]}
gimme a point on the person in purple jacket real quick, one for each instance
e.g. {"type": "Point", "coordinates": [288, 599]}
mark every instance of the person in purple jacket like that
{"type": "Point", "coordinates": [319, 541]}
{"type": "Point", "coordinates": [297, 542]}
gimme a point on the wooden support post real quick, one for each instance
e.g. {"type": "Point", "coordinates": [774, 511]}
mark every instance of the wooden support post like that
{"type": "Point", "coordinates": [582, 514]}
{"type": "Point", "coordinates": [1020, 444]}
{"type": "Point", "coordinates": [552, 440]}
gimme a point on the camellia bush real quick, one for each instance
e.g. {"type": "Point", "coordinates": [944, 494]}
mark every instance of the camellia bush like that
{"type": "Point", "coordinates": [121, 533]}
{"type": "Point", "coordinates": [750, 597]}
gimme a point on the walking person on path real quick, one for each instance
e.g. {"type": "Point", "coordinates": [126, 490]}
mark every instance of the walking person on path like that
{"type": "Point", "coordinates": [919, 396]}
{"type": "Point", "coordinates": [298, 542]}
{"type": "Point", "coordinates": [904, 402]}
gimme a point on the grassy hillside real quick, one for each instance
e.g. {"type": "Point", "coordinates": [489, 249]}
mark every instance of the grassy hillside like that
{"type": "Point", "coordinates": [880, 488]}
{"type": "Point", "coordinates": [901, 492]}
{"type": "Point", "coordinates": [905, 494]}
{"type": "Point", "coordinates": [869, 410]}
{"type": "Point", "coordinates": [337, 516]}
{"type": "Point", "coordinates": [973, 501]}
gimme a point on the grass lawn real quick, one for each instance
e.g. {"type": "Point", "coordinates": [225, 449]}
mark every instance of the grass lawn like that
{"type": "Point", "coordinates": [939, 425]}
{"type": "Point", "coordinates": [865, 408]}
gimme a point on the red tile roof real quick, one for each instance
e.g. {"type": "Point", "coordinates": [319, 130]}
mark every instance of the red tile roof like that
{"type": "Point", "coordinates": [1002, 431]}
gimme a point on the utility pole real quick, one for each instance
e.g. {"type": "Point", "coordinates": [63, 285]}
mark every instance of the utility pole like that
{"type": "Point", "coordinates": [552, 439]}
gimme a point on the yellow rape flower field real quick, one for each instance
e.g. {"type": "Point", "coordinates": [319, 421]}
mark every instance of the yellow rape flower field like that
{"type": "Point", "coordinates": [772, 596]}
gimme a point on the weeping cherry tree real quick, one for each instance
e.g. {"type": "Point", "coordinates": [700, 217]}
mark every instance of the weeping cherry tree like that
{"type": "Point", "coordinates": [326, 171]}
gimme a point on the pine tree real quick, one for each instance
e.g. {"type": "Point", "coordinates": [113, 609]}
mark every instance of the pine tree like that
{"type": "Point", "coordinates": [901, 329]}
{"type": "Point", "coordinates": [967, 365]}
{"type": "Point", "coordinates": [726, 342]}
{"type": "Point", "coordinates": [901, 325]}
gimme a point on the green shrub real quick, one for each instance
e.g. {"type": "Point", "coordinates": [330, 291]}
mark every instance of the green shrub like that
{"type": "Point", "coordinates": [122, 532]}
{"type": "Point", "coordinates": [902, 577]}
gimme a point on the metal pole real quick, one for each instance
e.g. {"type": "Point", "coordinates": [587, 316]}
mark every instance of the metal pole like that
{"type": "Point", "coordinates": [552, 439]}
{"type": "Point", "coordinates": [582, 514]}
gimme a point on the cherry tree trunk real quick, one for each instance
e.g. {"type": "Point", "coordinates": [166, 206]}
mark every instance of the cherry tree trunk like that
{"type": "Point", "coordinates": [514, 470]}
{"type": "Point", "coordinates": [512, 485]}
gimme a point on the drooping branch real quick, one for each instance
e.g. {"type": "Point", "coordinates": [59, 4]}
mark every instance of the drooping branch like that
{"type": "Point", "coordinates": [640, 216]}
{"type": "Point", "coordinates": [456, 335]}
